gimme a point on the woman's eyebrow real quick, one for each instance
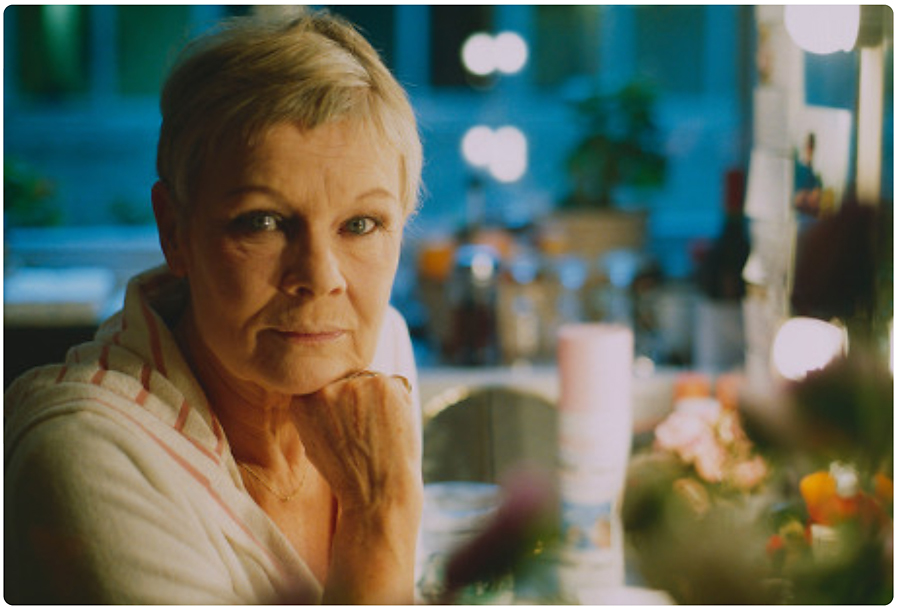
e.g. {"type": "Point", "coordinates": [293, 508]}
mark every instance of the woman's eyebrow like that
{"type": "Point", "coordinates": [256, 189]}
{"type": "Point", "coordinates": [377, 192]}
{"type": "Point", "coordinates": [275, 195]}
{"type": "Point", "coordinates": [251, 188]}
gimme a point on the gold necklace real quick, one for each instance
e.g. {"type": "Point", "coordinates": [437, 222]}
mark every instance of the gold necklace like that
{"type": "Point", "coordinates": [268, 486]}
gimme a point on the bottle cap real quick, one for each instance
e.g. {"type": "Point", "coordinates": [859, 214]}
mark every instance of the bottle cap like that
{"type": "Point", "coordinates": [595, 363]}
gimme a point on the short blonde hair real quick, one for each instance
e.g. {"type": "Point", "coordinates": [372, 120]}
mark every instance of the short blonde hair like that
{"type": "Point", "coordinates": [250, 74]}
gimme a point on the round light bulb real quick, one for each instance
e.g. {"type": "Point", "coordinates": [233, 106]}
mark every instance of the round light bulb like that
{"type": "Point", "coordinates": [803, 345]}
{"type": "Point", "coordinates": [822, 29]}
{"type": "Point", "coordinates": [477, 146]}
{"type": "Point", "coordinates": [510, 155]}
{"type": "Point", "coordinates": [511, 52]}
{"type": "Point", "coordinates": [478, 54]}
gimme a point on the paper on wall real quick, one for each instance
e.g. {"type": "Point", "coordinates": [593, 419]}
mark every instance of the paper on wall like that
{"type": "Point", "coordinates": [770, 186]}
{"type": "Point", "coordinates": [771, 121]}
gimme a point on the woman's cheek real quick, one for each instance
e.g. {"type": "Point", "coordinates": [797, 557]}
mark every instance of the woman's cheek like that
{"type": "Point", "coordinates": [242, 270]}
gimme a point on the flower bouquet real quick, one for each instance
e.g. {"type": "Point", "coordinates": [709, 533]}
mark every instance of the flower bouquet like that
{"type": "Point", "coordinates": [694, 496]}
{"type": "Point", "coordinates": [730, 507]}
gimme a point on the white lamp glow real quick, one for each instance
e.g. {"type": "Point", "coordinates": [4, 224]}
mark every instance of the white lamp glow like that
{"type": "Point", "coordinates": [803, 345]}
{"type": "Point", "coordinates": [483, 54]}
{"type": "Point", "coordinates": [502, 152]}
{"type": "Point", "coordinates": [482, 267]}
{"type": "Point", "coordinates": [511, 52]}
{"type": "Point", "coordinates": [510, 155]}
{"type": "Point", "coordinates": [478, 54]}
{"type": "Point", "coordinates": [822, 29]}
{"type": "Point", "coordinates": [477, 146]}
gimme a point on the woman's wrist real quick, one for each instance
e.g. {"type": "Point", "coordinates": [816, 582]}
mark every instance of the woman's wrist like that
{"type": "Point", "coordinates": [373, 552]}
{"type": "Point", "coordinates": [397, 487]}
{"type": "Point", "coordinates": [396, 510]}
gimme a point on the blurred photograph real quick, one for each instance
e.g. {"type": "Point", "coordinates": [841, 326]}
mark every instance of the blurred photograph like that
{"type": "Point", "coordinates": [427, 304]}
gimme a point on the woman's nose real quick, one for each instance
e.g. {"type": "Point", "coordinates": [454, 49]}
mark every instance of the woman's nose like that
{"type": "Point", "coordinates": [313, 267]}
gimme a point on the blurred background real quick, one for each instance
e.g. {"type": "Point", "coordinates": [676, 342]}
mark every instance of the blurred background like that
{"type": "Point", "coordinates": [581, 163]}
{"type": "Point", "coordinates": [719, 179]}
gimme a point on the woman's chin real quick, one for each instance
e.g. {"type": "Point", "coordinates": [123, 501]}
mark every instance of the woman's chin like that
{"type": "Point", "coordinates": [309, 382]}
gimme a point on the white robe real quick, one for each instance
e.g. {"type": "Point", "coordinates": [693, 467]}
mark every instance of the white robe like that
{"type": "Point", "coordinates": [120, 486]}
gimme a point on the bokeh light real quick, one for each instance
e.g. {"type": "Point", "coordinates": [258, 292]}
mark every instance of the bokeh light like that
{"type": "Point", "coordinates": [510, 156]}
{"type": "Point", "coordinates": [803, 345]}
{"type": "Point", "coordinates": [478, 54]}
{"type": "Point", "coordinates": [476, 146]}
{"type": "Point", "coordinates": [511, 52]}
{"type": "Point", "coordinates": [502, 152]}
{"type": "Point", "coordinates": [823, 29]}
{"type": "Point", "coordinates": [483, 54]}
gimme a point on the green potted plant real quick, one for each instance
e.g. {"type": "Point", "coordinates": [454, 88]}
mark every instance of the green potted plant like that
{"type": "Point", "coordinates": [620, 147]}
{"type": "Point", "coordinates": [28, 197]}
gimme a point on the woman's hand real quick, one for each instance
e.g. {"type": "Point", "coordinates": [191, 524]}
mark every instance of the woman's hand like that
{"type": "Point", "coordinates": [359, 433]}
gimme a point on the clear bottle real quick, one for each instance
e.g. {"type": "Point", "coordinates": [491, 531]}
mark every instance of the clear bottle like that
{"type": "Point", "coordinates": [520, 305]}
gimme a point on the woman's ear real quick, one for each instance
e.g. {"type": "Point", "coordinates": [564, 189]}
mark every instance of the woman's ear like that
{"type": "Point", "coordinates": [167, 224]}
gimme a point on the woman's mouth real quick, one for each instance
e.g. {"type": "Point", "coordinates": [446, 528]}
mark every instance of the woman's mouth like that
{"type": "Point", "coordinates": [312, 337]}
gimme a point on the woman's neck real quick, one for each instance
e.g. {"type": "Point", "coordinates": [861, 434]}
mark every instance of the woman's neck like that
{"type": "Point", "coordinates": [257, 423]}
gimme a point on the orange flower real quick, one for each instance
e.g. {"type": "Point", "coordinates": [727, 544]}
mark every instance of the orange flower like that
{"type": "Point", "coordinates": [825, 506]}
{"type": "Point", "coordinates": [774, 544]}
{"type": "Point", "coordinates": [884, 489]}
{"type": "Point", "coordinates": [817, 488]}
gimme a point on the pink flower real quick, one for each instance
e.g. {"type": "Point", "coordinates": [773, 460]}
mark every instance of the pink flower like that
{"type": "Point", "coordinates": [679, 431]}
{"type": "Point", "coordinates": [691, 423]}
{"type": "Point", "coordinates": [709, 459]}
{"type": "Point", "coordinates": [705, 409]}
{"type": "Point", "coordinates": [749, 473]}
{"type": "Point", "coordinates": [689, 434]}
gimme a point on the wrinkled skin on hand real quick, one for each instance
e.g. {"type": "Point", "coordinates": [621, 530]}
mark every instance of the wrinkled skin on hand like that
{"type": "Point", "coordinates": [360, 434]}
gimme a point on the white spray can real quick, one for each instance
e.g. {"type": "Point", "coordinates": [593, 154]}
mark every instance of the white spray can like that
{"type": "Point", "coordinates": [595, 429]}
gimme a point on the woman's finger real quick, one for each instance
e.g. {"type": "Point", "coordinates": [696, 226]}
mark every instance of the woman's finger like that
{"type": "Point", "coordinates": [362, 373]}
{"type": "Point", "coordinates": [368, 373]}
{"type": "Point", "coordinates": [404, 381]}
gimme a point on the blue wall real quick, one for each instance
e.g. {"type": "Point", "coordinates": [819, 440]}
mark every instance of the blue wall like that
{"type": "Point", "coordinates": [97, 145]}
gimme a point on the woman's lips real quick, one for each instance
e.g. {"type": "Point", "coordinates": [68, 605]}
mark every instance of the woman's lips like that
{"type": "Point", "coordinates": [311, 337]}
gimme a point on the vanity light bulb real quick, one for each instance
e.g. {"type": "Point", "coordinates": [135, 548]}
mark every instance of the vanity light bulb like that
{"type": "Point", "coordinates": [502, 152]}
{"type": "Point", "coordinates": [511, 52]}
{"type": "Point", "coordinates": [510, 160]}
{"type": "Point", "coordinates": [823, 29]}
{"type": "Point", "coordinates": [803, 345]}
{"type": "Point", "coordinates": [483, 54]}
{"type": "Point", "coordinates": [477, 146]}
{"type": "Point", "coordinates": [478, 54]}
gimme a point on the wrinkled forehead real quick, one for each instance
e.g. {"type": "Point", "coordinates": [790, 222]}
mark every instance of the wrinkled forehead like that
{"type": "Point", "coordinates": [349, 130]}
{"type": "Point", "coordinates": [332, 143]}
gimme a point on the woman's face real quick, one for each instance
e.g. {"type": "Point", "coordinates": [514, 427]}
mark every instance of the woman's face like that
{"type": "Point", "coordinates": [290, 252]}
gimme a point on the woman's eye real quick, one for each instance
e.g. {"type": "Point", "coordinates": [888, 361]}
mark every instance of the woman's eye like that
{"type": "Point", "coordinates": [260, 222]}
{"type": "Point", "coordinates": [361, 225]}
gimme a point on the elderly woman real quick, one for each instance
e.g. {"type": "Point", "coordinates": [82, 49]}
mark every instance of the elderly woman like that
{"type": "Point", "coordinates": [243, 430]}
